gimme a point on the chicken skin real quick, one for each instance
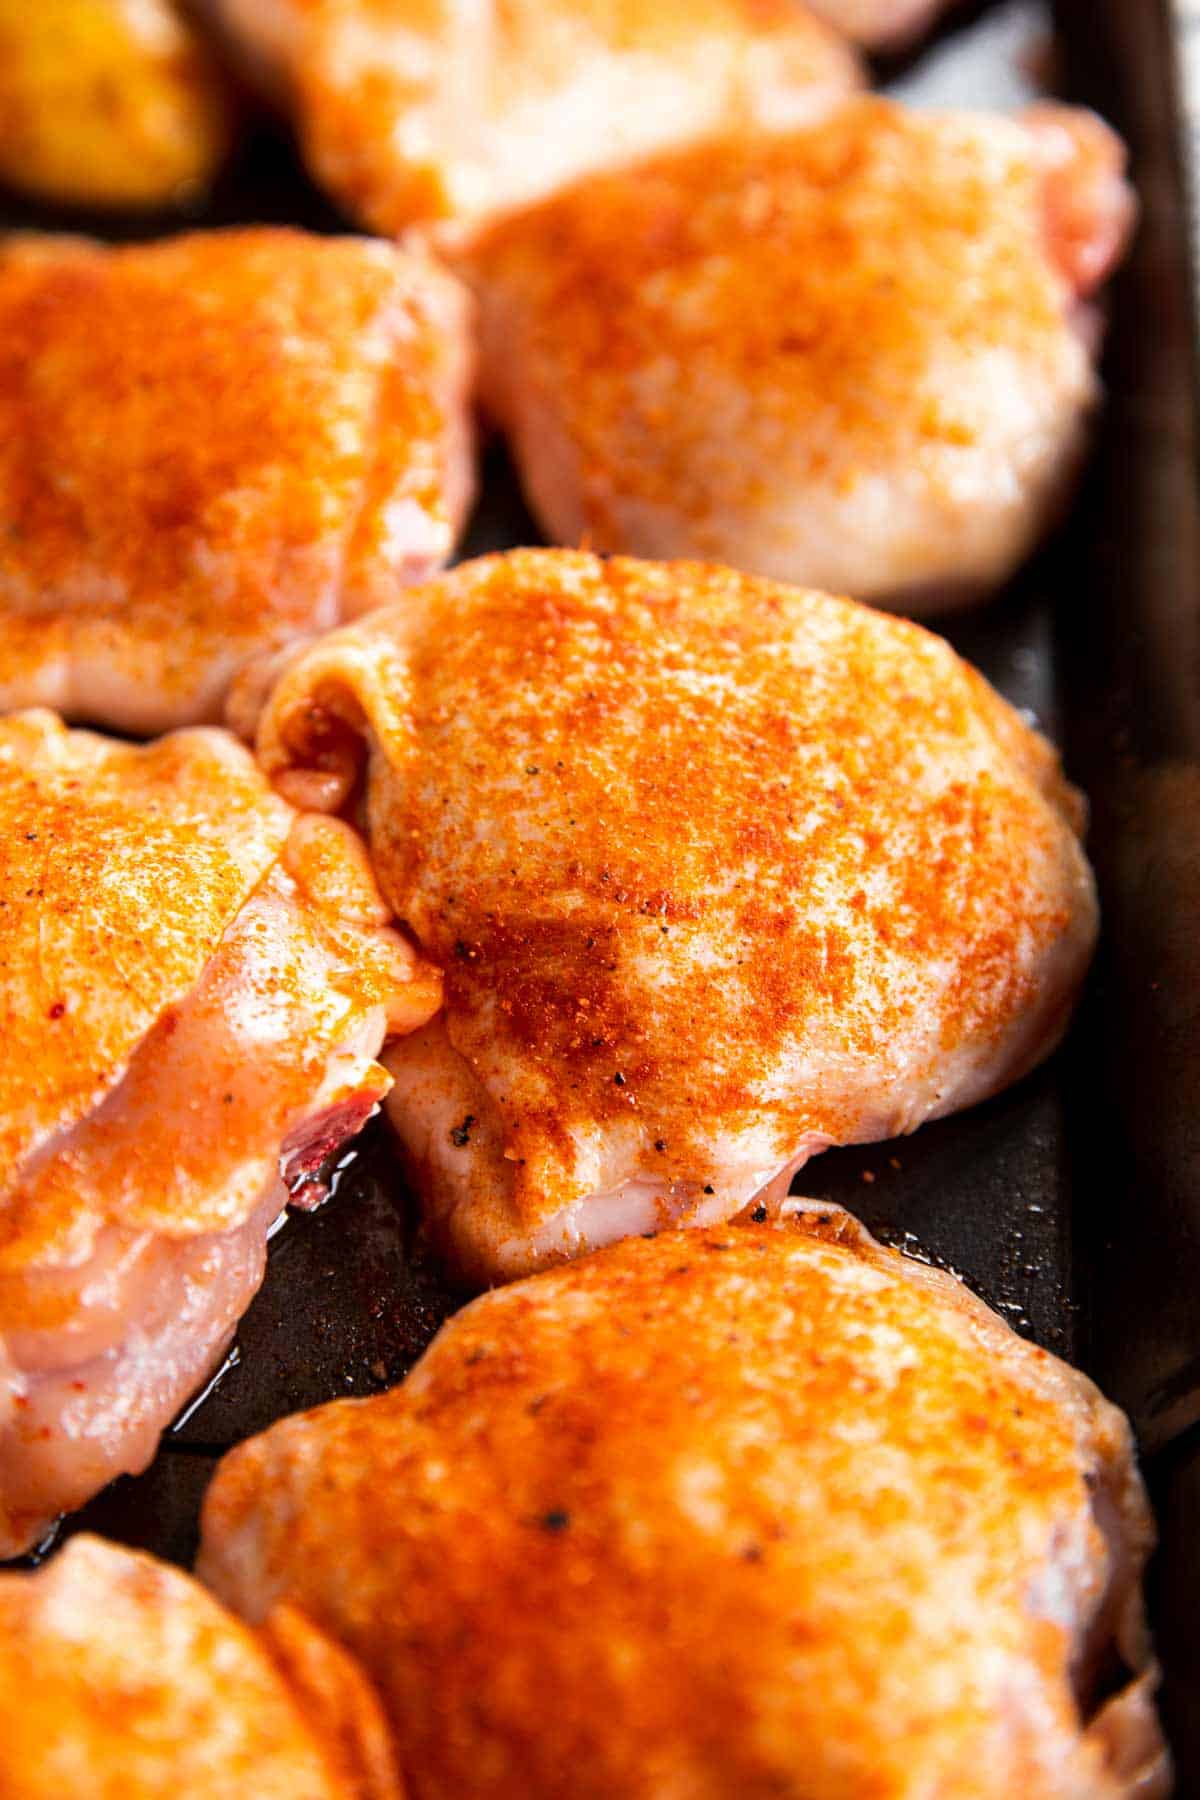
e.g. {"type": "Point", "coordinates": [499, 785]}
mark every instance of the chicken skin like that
{"type": "Point", "coordinates": [194, 985]}
{"type": "Point", "coordinates": [210, 445]}
{"type": "Point", "coordinates": [108, 103]}
{"type": "Point", "coordinates": [417, 111]}
{"type": "Point", "coordinates": [761, 1510]}
{"type": "Point", "coordinates": [856, 357]}
{"type": "Point", "coordinates": [719, 874]}
{"type": "Point", "coordinates": [880, 24]}
{"type": "Point", "coordinates": [121, 1679]}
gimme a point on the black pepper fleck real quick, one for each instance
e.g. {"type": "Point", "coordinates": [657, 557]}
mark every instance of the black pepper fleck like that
{"type": "Point", "coordinates": [460, 1135]}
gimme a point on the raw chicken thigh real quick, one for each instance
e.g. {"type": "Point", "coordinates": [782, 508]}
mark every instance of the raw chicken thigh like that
{"type": "Point", "coordinates": [209, 445]}
{"type": "Point", "coordinates": [765, 1511]}
{"type": "Point", "coordinates": [412, 111]}
{"type": "Point", "coordinates": [719, 873]}
{"type": "Point", "coordinates": [880, 24]}
{"type": "Point", "coordinates": [854, 357]}
{"type": "Point", "coordinates": [194, 985]}
{"type": "Point", "coordinates": [121, 1679]}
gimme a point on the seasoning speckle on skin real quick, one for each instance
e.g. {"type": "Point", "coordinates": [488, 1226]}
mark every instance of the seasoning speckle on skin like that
{"type": "Point", "coordinates": [847, 356]}
{"type": "Point", "coordinates": [747, 761]}
{"type": "Point", "coordinates": [216, 442]}
{"type": "Point", "coordinates": [152, 900]}
{"type": "Point", "coordinates": [460, 1135]}
{"type": "Point", "coordinates": [777, 1519]}
{"type": "Point", "coordinates": [191, 1013]}
{"type": "Point", "coordinates": [120, 1675]}
{"type": "Point", "coordinates": [550, 88]}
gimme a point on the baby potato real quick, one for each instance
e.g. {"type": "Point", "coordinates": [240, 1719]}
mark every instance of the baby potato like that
{"type": "Point", "coordinates": [107, 103]}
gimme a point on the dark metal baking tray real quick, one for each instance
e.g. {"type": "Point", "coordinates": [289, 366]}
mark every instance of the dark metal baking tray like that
{"type": "Point", "coordinates": [1072, 1203]}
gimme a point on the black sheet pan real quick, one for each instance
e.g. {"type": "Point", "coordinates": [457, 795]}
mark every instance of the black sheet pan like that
{"type": "Point", "coordinates": [1071, 1203]}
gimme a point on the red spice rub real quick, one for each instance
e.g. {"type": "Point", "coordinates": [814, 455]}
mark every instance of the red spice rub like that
{"type": "Point", "coordinates": [708, 862]}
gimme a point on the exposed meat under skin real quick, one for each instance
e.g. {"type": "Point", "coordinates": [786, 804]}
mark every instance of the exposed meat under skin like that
{"type": "Point", "coordinates": [719, 874]}
{"type": "Point", "coordinates": [121, 1679]}
{"type": "Point", "coordinates": [760, 1510]}
{"type": "Point", "coordinates": [858, 357]}
{"type": "Point", "coordinates": [133, 1235]}
{"type": "Point", "coordinates": [68, 1428]}
{"type": "Point", "coordinates": [209, 446]}
{"type": "Point", "coordinates": [447, 114]}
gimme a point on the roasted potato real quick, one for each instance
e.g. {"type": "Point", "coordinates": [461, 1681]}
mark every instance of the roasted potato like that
{"type": "Point", "coordinates": [108, 103]}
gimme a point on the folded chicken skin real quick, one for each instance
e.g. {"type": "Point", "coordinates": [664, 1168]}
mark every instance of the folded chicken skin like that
{"type": "Point", "coordinates": [209, 445]}
{"type": "Point", "coordinates": [761, 1510]}
{"type": "Point", "coordinates": [121, 1679]}
{"type": "Point", "coordinates": [859, 356]}
{"type": "Point", "coordinates": [419, 111]}
{"type": "Point", "coordinates": [194, 985]}
{"type": "Point", "coordinates": [719, 873]}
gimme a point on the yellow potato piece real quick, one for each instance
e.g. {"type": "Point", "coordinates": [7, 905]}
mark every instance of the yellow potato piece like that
{"type": "Point", "coordinates": [109, 103]}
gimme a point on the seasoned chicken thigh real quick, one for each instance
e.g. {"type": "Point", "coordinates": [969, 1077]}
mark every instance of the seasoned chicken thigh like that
{"type": "Point", "coordinates": [194, 985]}
{"type": "Point", "coordinates": [765, 1511]}
{"type": "Point", "coordinates": [412, 111]}
{"type": "Point", "coordinates": [719, 873]}
{"type": "Point", "coordinates": [210, 445]}
{"type": "Point", "coordinates": [108, 103]}
{"type": "Point", "coordinates": [121, 1679]}
{"type": "Point", "coordinates": [854, 357]}
{"type": "Point", "coordinates": [880, 24]}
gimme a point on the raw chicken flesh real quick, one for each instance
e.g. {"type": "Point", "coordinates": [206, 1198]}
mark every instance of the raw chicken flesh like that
{"type": "Point", "coordinates": [719, 873]}
{"type": "Point", "coordinates": [858, 357]}
{"type": "Point", "coordinates": [194, 985]}
{"type": "Point", "coordinates": [121, 1679]}
{"type": "Point", "coordinates": [766, 1511]}
{"type": "Point", "coordinates": [211, 445]}
{"type": "Point", "coordinates": [416, 111]}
